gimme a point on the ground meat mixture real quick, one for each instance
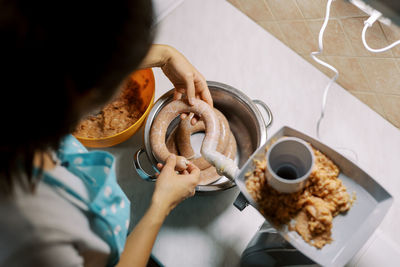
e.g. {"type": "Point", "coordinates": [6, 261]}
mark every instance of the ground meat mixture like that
{"type": "Point", "coordinates": [312, 208]}
{"type": "Point", "coordinates": [115, 117]}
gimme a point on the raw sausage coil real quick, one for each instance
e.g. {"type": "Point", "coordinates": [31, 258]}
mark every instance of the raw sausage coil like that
{"type": "Point", "coordinates": [226, 145]}
{"type": "Point", "coordinates": [161, 149]}
{"type": "Point", "coordinates": [170, 112]}
{"type": "Point", "coordinates": [178, 142]}
{"type": "Point", "coordinates": [186, 129]}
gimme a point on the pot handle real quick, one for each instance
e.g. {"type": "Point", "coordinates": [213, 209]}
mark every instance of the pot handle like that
{"type": "Point", "coordinates": [267, 110]}
{"type": "Point", "coordinates": [138, 167]}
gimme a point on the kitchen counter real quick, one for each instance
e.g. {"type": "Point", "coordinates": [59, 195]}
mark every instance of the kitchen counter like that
{"type": "Point", "coordinates": [228, 47]}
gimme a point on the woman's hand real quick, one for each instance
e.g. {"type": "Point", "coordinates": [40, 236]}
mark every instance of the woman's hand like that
{"type": "Point", "coordinates": [186, 79]}
{"type": "Point", "coordinates": [171, 188]}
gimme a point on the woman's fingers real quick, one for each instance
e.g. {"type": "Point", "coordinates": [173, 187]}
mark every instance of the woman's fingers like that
{"type": "Point", "coordinates": [203, 91]}
{"type": "Point", "coordinates": [170, 163]}
{"type": "Point", "coordinates": [194, 173]}
{"type": "Point", "coordinates": [193, 177]}
{"type": "Point", "coordinates": [193, 121]}
{"type": "Point", "coordinates": [190, 88]}
{"type": "Point", "coordinates": [191, 167]}
{"type": "Point", "coordinates": [194, 88]}
{"type": "Point", "coordinates": [177, 95]}
{"type": "Point", "coordinates": [160, 166]}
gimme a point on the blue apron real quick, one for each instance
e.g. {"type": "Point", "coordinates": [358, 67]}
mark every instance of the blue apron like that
{"type": "Point", "coordinates": [108, 208]}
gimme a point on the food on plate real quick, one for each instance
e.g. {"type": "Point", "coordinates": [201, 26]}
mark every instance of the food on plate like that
{"type": "Point", "coordinates": [116, 116]}
{"type": "Point", "coordinates": [310, 211]}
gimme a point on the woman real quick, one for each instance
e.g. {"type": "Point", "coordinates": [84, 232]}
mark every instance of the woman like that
{"type": "Point", "coordinates": [60, 60]}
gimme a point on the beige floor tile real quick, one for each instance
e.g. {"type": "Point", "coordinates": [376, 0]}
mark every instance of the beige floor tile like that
{"type": "Point", "coordinates": [391, 106]}
{"type": "Point", "coordinates": [256, 9]}
{"type": "Point", "coordinates": [285, 9]}
{"type": "Point", "coordinates": [382, 74]}
{"type": "Point", "coordinates": [397, 63]}
{"type": "Point", "coordinates": [335, 41]}
{"type": "Point", "coordinates": [374, 37]}
{"type": "Point", "coordinates": [371, 100]}
{"type": "Point", "coordinates": [298, 36]}
{"type": "Point", "coordinates": [351, 76]}
{"type": "Point", "coordinates": [392, 34]}
{"type": "Point", "coordinates": [312, 9]}
{"type": "Point", "coordinates": [342, 8]}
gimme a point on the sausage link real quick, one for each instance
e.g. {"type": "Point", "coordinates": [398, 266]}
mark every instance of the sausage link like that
{"type": "Point", "coordinates": [171, 144]}
{"type": "Point", "coordinates": [210, 174]}
{"type": "Point", "coordinates": [170, 112]}
{"type": "Point", "coordinates": [186, 129]}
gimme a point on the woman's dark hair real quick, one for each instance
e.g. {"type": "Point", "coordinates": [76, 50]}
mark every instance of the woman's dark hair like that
{"type": "Point", "coordinates": [52, 52]}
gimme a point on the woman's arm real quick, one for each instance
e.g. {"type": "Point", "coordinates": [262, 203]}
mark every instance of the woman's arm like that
{"type": "Point", "coordinates": [140, 242]}
{"type": "Point", "coordinates": [171, 188]}
{"type": "Point", "coordinates": [157, 56]}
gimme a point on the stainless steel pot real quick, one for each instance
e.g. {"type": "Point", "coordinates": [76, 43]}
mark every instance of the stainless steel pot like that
{"type": "Point", "coordinates": [245, 120]}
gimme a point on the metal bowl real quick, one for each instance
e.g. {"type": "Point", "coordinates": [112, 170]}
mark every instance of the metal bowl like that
{"type": "Point", "coordinates": [245, 121]}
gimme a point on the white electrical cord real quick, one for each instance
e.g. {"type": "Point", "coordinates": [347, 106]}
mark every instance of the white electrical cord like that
{"type": "Point", "coordinates": [368, 23]}
{"type": "Point", "coordinates": [333, 79]}
{"type": "Point", "coordinates": [323, 63]}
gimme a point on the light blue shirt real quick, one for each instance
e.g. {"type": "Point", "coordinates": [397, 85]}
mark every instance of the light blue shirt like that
{"type": "Point", "coordinates": [78, 215]}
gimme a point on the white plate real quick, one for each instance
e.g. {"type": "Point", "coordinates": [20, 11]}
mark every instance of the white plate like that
{"type": "Point", "coordinates": [350, 230]}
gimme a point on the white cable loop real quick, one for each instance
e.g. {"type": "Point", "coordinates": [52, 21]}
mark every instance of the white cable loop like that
{"type": "Point", "coordinates": [366, 26]}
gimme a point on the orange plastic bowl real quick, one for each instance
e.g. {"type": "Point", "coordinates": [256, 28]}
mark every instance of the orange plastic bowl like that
{"type": "Point", "coordinates": [145, 79]}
